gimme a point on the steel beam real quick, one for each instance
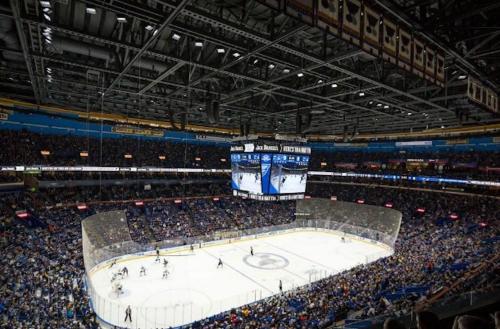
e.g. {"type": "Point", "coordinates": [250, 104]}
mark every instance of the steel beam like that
{"type": "Point", "coordinates": [176, 11]}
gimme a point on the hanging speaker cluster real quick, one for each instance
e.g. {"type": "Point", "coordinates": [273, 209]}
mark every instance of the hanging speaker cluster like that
{"type": "Point", "coordinates": [303, 122]}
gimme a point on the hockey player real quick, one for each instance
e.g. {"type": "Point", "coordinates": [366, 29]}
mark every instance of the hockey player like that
{"type": "Point", "coordinates": [128, 314]}
{"type": "Point", "coordinates": [342, 239]}
{"type": "Point", "coordinates": [157, 260]}
{"type": "Point", "coordinates": [191, 248]}
{"type": "Point", "coordinates": [125, 271]}
{"type": "Point", "coordinates": [251, 250]}
{"type": "Point", "coordinates": [157, 251]}
{"type": "Point", "coordinates": [165, 262]}
{"type": "Point", "coordinates": [142, 272]}
{"type": "Point", "coordinates": [220, 264]}
{"type": "Point", "coordinates": [281, 287]}
{"type": "Point", "coordinates": [165, 274]}
{"type": "Point", "coordinates": [112, 263]}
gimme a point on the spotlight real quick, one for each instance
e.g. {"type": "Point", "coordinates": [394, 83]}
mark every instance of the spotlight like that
{"type": "Point", "coordinates": [236, 55]}
{"type": "Point", "coordinates": [334, 85]}
{"type": "Point", "coordinates": [121, 19]}
{"type": "Point", "coordinates": [221, 50]}
{"type": "Point", "coordinates": [286, 71]}
{"type": "Point", "coordinates": [300, 74]}
{"type": "Point", "coordinates": [361, 94]}
{"type": "Point", "coordinates": [462, 77]}
{"type": "Point", "coordinates": [149, 27]}
{"type": "Point", "coordinates": [198, 44]}
{"type": "Point", "coordinates": [176, 37]}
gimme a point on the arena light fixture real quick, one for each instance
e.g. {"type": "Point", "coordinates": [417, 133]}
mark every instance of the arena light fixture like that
{"type": "Point", "coordinates": [149, 27]}
{"type": "Point", "coordinates": [386, 106]}
{"type": "Point", "coordinates": [334, 85]}
{"type": "Point", "coordinates": [271, 66]}
{"type": "Point", "coordinates": [286, 71]}
{"type": "Point", "coordinates": [320, 81]}
{"type": "Point", "coordinates": [198, 44]}
{"type": "Point", "coordinates": [162, 157]}
{"type": "Point", "coordinates": [45, 152]}
{"type": "Point", "coordinates": [361, 93]}
{"type": "Point", "coordinates": [90, 10]}
{"type": "Point", "coordinates": [236, 54]}
{"type": "Point", "coordinates": [255, 61]}
{"type": "Point", "coordinates": [300, 74]}
{"type": "Point", "coordinates": [379, 104]}
{"type": "Point", "coordinates": [47, 17]}
{"type": "Point", "coordinates": [197, 159]}
{"type": "Point", "coordinates": [84, 154]}
{"type": "Point", "coordinates": [462, 77]}
{"type": "Point", "coordinates": [45, 4]}
{"type": "Point", "coordinates": [127, 156]}
{"type": "Point", "coordinates": [121, 19]}
{"type": "Point", "coordinates": [176, 37]}
{"type": "Point", "coordinates": [221, 50]}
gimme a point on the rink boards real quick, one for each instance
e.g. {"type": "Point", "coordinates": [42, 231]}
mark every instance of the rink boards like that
{"type": "Point", "coordinates": [196, 289]}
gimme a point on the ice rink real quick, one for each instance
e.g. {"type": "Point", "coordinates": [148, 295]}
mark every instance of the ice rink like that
{"type": "Point", "coordinates": [196, 288]}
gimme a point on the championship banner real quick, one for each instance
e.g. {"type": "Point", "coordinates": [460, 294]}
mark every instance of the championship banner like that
{"type": "Point", "coordinates": [328, 15]}
{"type": "Point", "coordinates": [418, 58]}
{"type": "Point", "coordinates": [430, 64]}
{"type": "Point", "coordinates": [351, 25]}
{"type": "Point", "coordinates": [371, 31]}
{"type": "Point", "coordinates": [302, 9]}
{"type": "Point", "coordinates": [389, 41]}
{"type": "Point", "coordinates": [405, 46]}
{"type": "Point", "coordinates": [440, 76]}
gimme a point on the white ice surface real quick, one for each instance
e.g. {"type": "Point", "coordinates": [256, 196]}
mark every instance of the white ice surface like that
{"type": "Point", "coordinates": [196, 289]}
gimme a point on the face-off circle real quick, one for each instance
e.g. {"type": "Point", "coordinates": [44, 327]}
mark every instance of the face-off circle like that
{"type": "Point", "coordinates": [266, 261]}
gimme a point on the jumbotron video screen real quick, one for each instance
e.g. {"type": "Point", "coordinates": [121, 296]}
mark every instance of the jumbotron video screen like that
{"type": "Point", "coordinates": [269, 170]}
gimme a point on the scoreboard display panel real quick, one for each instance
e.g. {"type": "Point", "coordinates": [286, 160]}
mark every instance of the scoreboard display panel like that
{"type": "Point", "coordinates": [269, 170]}
{"type": "Point", "coordinates": [288, 173]}
{"type": "Point", "coordinates": [245, 172]}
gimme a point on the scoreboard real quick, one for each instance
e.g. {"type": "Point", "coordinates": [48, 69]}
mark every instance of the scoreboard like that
{"type": "Point", "coordinates": [269, 171]}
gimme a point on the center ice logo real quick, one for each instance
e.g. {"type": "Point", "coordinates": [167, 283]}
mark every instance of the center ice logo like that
{"type": "Point", "coordinates": [266, 261]}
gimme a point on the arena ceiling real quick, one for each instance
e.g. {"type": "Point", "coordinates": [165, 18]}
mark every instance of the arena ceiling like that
{"type": "Point", "coordinates": [160, 59]}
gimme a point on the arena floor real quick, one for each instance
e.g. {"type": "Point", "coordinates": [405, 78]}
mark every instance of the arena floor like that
{"type": "Point", "coordinates": [196, 288]}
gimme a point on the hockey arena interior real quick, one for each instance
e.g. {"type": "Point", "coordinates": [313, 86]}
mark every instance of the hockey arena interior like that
{"type": "Point", "coordinates": [249, 164]}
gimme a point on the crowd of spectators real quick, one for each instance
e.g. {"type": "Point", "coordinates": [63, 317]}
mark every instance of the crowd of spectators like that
{"type": "Point", "coordinates": [42, 266]}
{"type": "Point", "coordinates": [28, 148]}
